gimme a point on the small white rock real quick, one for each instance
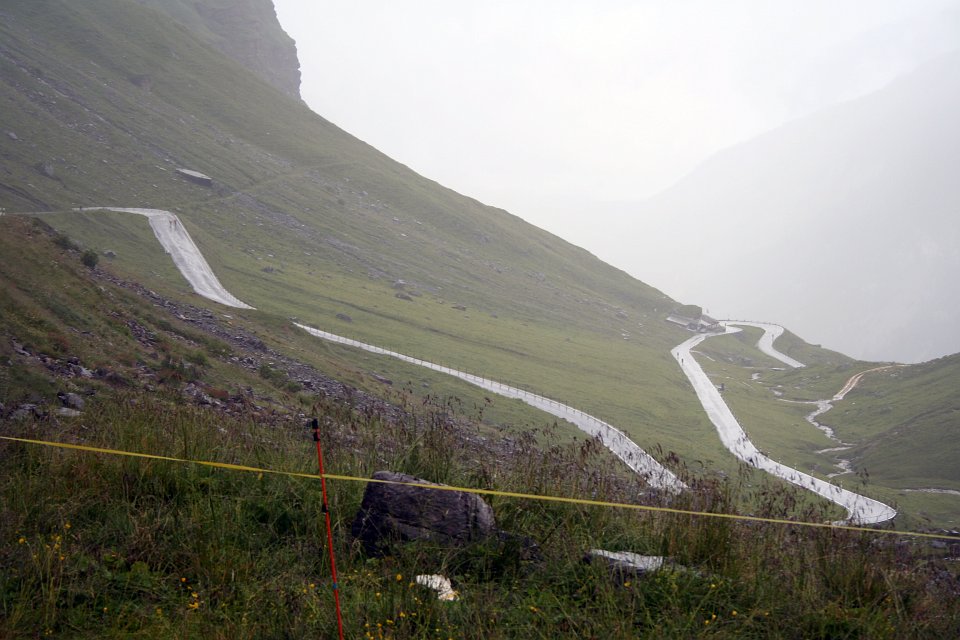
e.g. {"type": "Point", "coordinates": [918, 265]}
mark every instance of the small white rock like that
{"type": "Point", "coordinates": [440, 584]}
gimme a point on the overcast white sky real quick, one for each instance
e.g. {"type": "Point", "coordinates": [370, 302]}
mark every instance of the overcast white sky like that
{"type": "Point", "coordinates": [527, 104]}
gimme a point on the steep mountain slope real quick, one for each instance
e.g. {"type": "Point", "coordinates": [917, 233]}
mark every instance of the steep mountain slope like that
{"type": "Point", "coordinates": [843, 225]}
{"type": "Point", "coordinates": [246, 30]}
{"type": "Point", "coordinates": [307, 221]}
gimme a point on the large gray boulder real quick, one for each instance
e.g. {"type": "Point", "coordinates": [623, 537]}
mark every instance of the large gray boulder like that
{"type": "Point", "coordinates": [396, 513]}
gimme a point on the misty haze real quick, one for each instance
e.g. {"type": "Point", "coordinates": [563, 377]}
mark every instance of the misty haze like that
{"type": "Point", "coordinates": [764, 161]}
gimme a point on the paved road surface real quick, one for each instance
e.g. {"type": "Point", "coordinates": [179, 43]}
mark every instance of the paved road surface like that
{"type": "Point", "coordinates": [770, 333]}
{"type": "Point", "coordinates": [615, 440]}
{"type": "Point", "coordinates": [860, 509]}
{"type": "Point", "coordinates": [186, 256]}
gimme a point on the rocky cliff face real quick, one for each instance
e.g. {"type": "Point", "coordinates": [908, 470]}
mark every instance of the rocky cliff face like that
{"type": "Point", "coordinates": [247, 31]}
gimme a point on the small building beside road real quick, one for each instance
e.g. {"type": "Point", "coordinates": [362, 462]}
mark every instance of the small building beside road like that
{"type": "Point", "coordinates": [699, 324]}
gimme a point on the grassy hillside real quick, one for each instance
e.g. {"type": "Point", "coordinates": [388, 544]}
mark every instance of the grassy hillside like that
{"type": "Point", "coordinates": [98, 546]}
{"type": "Point", "coordinates": [910, 415]}
{"type": "Point", "coordinates": [246, 30]}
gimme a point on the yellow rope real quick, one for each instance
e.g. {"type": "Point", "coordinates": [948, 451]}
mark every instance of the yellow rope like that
{"type": "Point", "coordinates": [486, 492]}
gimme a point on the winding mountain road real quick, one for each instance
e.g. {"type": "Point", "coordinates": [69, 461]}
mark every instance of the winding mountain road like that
{"type": "Point", "coordinates": [612, 438]}
{"type": "Point", "coordinates": [770, 333]}
{"type": "Point", "coordinates": [175, 239]}
{"type": "Point", "coordinates": [860, 509]}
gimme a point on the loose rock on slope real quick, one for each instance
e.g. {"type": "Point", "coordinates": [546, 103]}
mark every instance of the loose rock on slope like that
{"type": "Point", "coordinates": [401, 513]}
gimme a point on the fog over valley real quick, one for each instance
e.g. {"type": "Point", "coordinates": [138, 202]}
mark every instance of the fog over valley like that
{"type": "Point", "coordinates": [843, 225]}
{"type": "Point", "coordinates": [789, 162]}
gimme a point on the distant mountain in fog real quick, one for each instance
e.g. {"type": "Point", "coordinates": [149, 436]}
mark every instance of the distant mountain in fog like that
{"type": "Point", "coordinates": [844, 225]}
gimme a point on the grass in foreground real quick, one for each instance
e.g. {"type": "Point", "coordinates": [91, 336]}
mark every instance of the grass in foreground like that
{"type": "Point", "coordinates": [100, 546]}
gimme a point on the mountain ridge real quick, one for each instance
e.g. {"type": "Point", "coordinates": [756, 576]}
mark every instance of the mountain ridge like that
{"type": "Point", "coordinates": [247, 31]}
{"type": "Point", "coordinates": [836, 195]}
